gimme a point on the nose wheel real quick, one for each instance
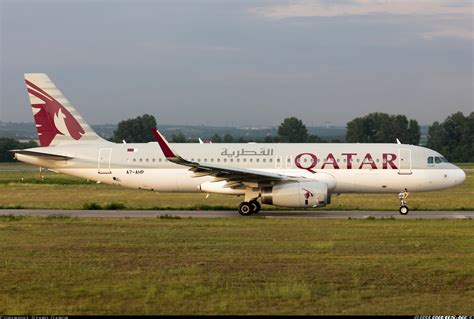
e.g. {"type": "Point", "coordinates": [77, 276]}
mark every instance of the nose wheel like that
{"type": "Point", "coordinates": [403, 210]}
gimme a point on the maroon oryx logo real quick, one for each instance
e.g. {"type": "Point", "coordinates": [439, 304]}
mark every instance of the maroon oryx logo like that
{"type": "Point", "coordinates": [307, 195]}
{"type": "Point", "coordinates": [52, 118]}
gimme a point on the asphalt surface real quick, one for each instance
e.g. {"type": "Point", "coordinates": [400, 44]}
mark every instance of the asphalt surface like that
{"type": "Point", "coordinates": [234, 214]}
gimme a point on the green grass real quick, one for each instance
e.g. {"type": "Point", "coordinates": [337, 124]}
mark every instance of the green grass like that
{"type": "Point", "coordinates": [465, 165]}
{"type": "Point", "coordinates": [19, 189]}
{"type": "Point", "coordinates": [236, 266]}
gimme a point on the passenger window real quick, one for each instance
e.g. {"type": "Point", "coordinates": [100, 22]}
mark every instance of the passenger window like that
{"type": "Point", "coordinates": [430, 160]}
{"type": "Point", "coordinates": [437, 160]}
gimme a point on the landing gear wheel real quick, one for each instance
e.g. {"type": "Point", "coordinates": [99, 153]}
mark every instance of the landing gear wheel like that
{"type": "Point", "coordinates": [255, 206]}
{"type": "Point", "coordinates": [404, 210]}
{"type": "Point", "coordinates": [245, 209]}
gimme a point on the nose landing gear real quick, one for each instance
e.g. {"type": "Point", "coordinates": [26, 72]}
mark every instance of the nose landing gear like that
{"type": "Point", "coordinates": [402, 196]}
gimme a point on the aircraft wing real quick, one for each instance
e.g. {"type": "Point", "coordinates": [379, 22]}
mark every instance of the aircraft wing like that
{"type": "Point", "coordinates": [233, 175]}
{"type": "Point", "coordinates": [49, 156]}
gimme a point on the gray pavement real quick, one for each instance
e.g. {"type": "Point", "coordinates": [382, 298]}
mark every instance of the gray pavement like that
{"type": "Point", "coordinates": [234, 214]}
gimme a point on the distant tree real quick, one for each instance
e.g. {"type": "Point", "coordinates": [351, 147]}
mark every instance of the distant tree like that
{"type": "Point", "coordinates": [137, 130]}
{"type": "Point", "coordinates": [7, 144]}
{"type": "Point", "coordinates": [414, 134]}
{"type": "Point", "coordinates": [383, 128]}
{"type": "Point", "coordinates": [356, 130]}
{"type": "Point", "coordinates": [228, 138]}
{"type": "Point", "coordinates": [292, 130]}
{"type": "Point", "coordinates": [315, 139]}
{"type": "Point", "coordinates": [454, 138]}
{"type": "Point", "coordinates": [270, 139]}
{"type": "Point", "coordinates": [178, 138]}
{"type": "Point", "coordinates": [216, 138]}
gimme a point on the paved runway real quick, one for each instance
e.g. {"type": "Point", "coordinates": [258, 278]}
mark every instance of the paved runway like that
{"type": "Point", "coordinates": [234, 214]}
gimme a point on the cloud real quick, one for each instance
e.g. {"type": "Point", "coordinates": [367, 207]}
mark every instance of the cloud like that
{"type": "Point", "coordinates": [445, 18]}
{"type": "Point", "coordinates": [364, 7]}
{"type": "Point", "coordinates": [449, 32]}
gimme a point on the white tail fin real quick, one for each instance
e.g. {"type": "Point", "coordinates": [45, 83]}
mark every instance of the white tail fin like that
{"type": "Point", "coordinates": [57, 122]}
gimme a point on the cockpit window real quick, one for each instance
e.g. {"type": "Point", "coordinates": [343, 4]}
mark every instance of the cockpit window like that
{"type": "Point", "coordinates": [430, 160]}
{"type": "Point", "coordinates": [438, 160]}
{"type": "Point", "coordinates": [444, 160]}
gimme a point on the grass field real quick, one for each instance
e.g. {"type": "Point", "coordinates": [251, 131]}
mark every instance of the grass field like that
{"type": "Point", "coordinates": [61, 265]}
{"type": "Point", "coordinates": [25, 189]}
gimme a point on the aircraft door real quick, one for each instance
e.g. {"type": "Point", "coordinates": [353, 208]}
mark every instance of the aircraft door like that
{"type": "Point", "coordinates": [104, 160]}
{"type": "Point", "coordinates": [404, 161]}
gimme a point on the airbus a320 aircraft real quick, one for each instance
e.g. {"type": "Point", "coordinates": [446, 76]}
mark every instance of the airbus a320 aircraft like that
{"type": "Point", "coordinates": [287, 175]}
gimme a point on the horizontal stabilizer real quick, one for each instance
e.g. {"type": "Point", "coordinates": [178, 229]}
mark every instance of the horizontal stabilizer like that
{"type": "Point", "coordinates": [49, 156]}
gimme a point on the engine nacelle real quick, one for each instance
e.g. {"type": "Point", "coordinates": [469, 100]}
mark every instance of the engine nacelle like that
{"type": "Point", "coordinates": [297, 194]}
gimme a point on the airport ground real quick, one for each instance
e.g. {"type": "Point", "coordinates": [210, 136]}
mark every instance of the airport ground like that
{"type": "Point", "coordinates": [22, 187]}
{"type": "Point", "coordinates": [58, 264]}
{"type": "Point", "coordinates": [64, 265]}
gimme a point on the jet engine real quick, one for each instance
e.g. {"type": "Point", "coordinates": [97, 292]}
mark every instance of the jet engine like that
{"type": "Point", "coordinates": [297, 194]}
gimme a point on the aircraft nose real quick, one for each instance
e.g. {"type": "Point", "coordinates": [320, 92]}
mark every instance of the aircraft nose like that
{"type": "Point", "coordinates": [459, 176]}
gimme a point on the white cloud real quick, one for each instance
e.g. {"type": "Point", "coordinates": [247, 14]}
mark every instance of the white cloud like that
{"type": "Point", "coordinates": [364, 7]}
{"type": "Point", "coordinates": [445, 18]}
{"type": "Point", "coordinates": [449, 32]}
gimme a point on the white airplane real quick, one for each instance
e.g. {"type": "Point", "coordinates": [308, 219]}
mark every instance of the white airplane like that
{"type": "Point", "coordinates": [287, 175]}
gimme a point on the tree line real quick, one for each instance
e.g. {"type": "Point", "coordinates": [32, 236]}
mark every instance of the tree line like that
{"type": "Point", "coordinates": [453, 138]}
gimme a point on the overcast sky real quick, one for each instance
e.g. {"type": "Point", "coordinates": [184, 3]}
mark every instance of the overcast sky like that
{"type": "Point", "coordinates": [241, 62]}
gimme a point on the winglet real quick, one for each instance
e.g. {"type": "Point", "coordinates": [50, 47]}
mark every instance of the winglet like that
{"type": "Point", "coordinates": [165, 147]}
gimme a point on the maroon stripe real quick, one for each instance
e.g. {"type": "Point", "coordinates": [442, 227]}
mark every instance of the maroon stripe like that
{"type": "Point", "coordinates": [38, 89]}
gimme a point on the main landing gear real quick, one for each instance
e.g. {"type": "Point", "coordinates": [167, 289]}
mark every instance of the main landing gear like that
{"type": "Point", "coordinates": [249, 208]}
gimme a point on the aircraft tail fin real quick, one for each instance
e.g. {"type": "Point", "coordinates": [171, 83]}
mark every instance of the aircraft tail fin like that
{"type": "Point", "coordinates": [57, 121]}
